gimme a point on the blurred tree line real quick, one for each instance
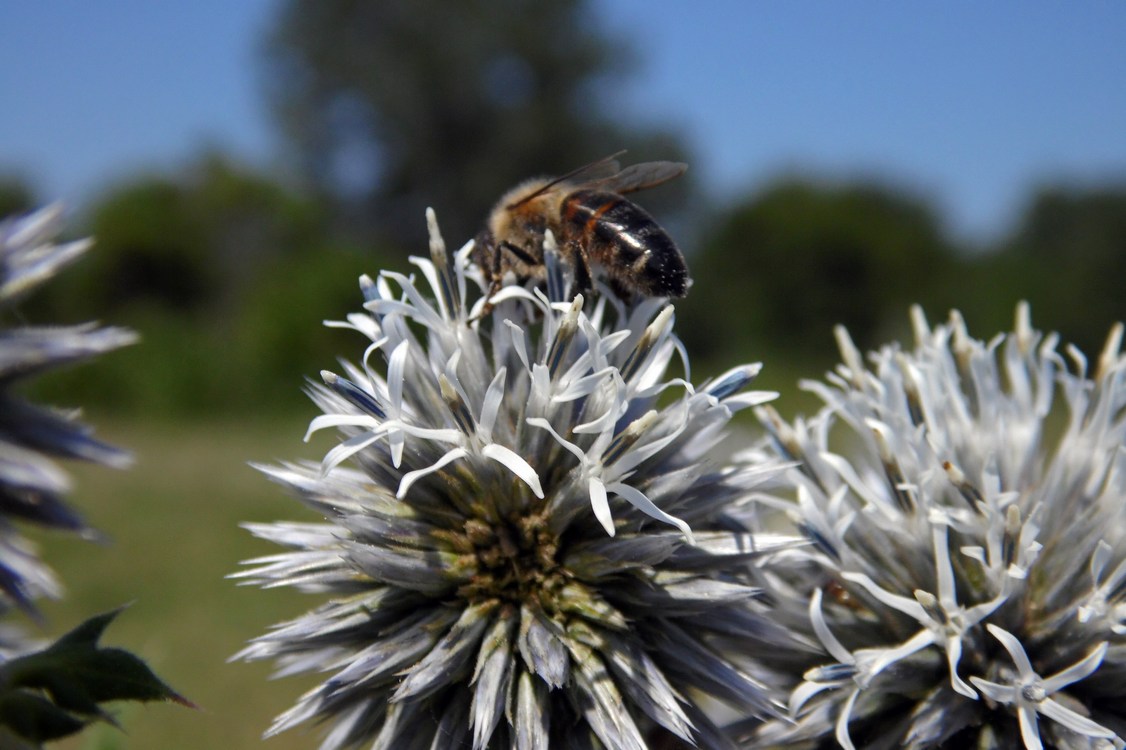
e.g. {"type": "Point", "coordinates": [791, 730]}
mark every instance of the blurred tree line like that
{"type": "Point", "coordinates": [388, 107]}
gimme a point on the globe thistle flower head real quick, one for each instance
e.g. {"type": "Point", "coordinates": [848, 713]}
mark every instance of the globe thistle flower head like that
{"type": "Point", "coordinates": [963, 583]}
{"type": "Point", "coordinates": [522, 544]}
{"type": "Point", "coordinates": [32, 487]}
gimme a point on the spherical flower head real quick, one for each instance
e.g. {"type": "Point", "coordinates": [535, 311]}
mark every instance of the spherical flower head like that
{"type": "Point", "coordinates": [963, 583]}
{"type": "Point", "coordinates": [523, 544]}
{"type": "Point", "coordinates": [32, 487]}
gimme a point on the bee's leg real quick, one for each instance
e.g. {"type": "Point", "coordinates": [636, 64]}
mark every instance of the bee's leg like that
{"type": "Point", "coordinates": [494, 287]}
{"type": "Point", "coordinates": [583, 282]}
{"type": "Point", "coordinates": [519, 253]}
{"type": "Point", "coordinates": [494, 271]}
{"type": "Point", "coordinates": [487, 257]}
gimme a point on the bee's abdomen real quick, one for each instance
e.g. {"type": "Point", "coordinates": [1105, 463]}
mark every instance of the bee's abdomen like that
{"type": "Point", "coordinates": [626, 240]}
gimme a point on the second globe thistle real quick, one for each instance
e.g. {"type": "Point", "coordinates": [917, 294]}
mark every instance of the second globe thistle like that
{"type": "Point", "coordinates": [529, 548]}
{"type": "Point", "coordinates": [963, 586]}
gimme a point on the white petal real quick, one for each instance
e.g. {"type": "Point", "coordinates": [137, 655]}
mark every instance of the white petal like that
{"type": "Point", "coordinates": [541, 385]}
{"type": "Point", "coordinates": [803, 692]}
{"type": "Point", "coordinates": [1077, 671]}
{"type": "Point", "coordinates": [361, 322]}
{"type": "Point", "coordinates": [995, 691]}
{"type": "Point", "coordinates": [975, 552]}
{"type": "Point", "coordinates": [374, 376]}
{"type": "Point", "coordinates": [1029, 728]}
{"type": "Point", "coordinates": [835, 648]}
{"type": "Point", "coordinates": [348, 448]}
{"type": "Point", "coordinates": [600, 504]}
{"type": "Point", "coordinates": [437, 434]}
{"type": "Point", "coordinates": [514, 463]}
{"type": "Point", "coordinates": [490, 405]}
{"type": "Point", "coordinates": [339, 420]}
{"type": "Point", "coordinates": [1073, 721]}
{"type": "Point", "coordinates": [1099, 560]}
{"type": "Point", "coordinates": [637, 499]}
{"type": "Point", "coordinates": [431, 275]}
{"type": "Point", "coordinates": [574, 449]}
{"type": "Point", "coordinates": [979, 612]}
{"type": "Point", "coordinates": [396, 441]}
{"type": "Point", "coordinates": [396, 367]}
{"type": "Point", "coordinates": [844, 468]}
{"type": "Point", "coordinates": [1013, 645]}
{"type": "Point", "coordinates": [518, 342]}
{"type": "Point", "coordinates": [420, 308]}
{"type": "Point", "coordinates": [888, 656]}
{"type": "Point", "coordinates": [578, 387]}
{"type": "Point", "coordinates": [683, 352]}
{"type": "Point", "coordinates": [662, 386]}
{"type": "Point", "coordinates": [605, 423]}
{"type": "Point", "coordinates": [395, 378]}
{"type": "Point", "coordinates": [842, 721]}
{"type": "Point", "coordinates": [413, 476]}
{"type": "Point", "coordinates": [750, 398]}
{"type": "Point", "coordinates": [450, 371]}
{"type": "Point", "coordinates": [953, 656]}
{"type": "Point", "coordinates": [517, 292]}
{"type": "Point", "coordinates": [903, 604]}
{"type": "Point", "coordinates": [947, 594]}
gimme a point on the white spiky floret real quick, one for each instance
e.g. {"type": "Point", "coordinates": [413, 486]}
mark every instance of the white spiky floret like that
{"type": "Point", "coordinates": [32, 486]}
{"type": "Point", "coordinates": [963, 500]}
{"type": "Point", "coordinates": [523, 541]}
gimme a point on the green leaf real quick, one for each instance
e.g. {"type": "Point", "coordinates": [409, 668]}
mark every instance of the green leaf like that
{"type": "Point", "coordinates": [34, 718]}
{"type": "Point", "coordinates": [55, 692]}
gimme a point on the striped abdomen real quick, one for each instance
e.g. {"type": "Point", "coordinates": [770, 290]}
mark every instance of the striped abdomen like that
{"type": "Point", "coordinates": [626, 241]}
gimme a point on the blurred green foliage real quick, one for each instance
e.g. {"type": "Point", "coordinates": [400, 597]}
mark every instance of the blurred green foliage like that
{"type": "Point", "coordinates": [775, 271]}
{"type": "Point", "coordinates": [228, 275]}
{"type": "Point", "coordinates": [16, 195]}
{"type": "Point", "coordinates": [1068, 257]}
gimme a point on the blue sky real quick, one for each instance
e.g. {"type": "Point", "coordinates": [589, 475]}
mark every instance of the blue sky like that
{"type": "Point", "coordinates": [968, 104]}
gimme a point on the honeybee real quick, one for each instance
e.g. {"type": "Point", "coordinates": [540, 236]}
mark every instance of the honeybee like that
{"type": "Point", "coordinates": [592, 223]}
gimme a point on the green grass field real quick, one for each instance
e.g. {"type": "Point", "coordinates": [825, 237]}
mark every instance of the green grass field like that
{"type": "Point", "coordinates": [173, 525]}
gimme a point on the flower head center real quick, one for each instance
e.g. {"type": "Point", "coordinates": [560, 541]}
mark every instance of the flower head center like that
{"type": "Point", "coordinates": [514, 561]}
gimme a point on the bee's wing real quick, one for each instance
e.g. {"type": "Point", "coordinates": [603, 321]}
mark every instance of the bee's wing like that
{"type": "Point", "coordinates": [603, 169]}
{"type": "Point", "coordinates": [595, 172]}
{"type": "Point", "coordinates": [641, 176]}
